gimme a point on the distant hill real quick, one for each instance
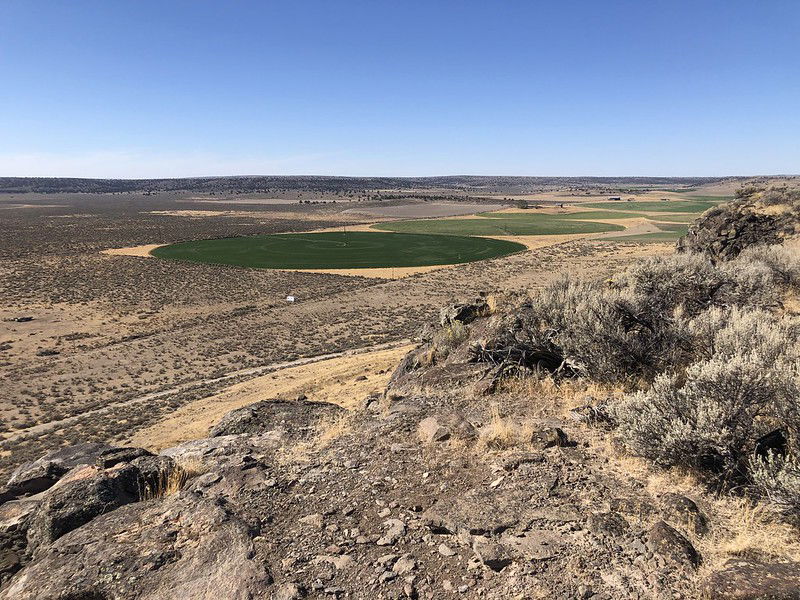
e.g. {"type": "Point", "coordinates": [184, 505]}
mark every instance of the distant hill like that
{"type": "Point", "coordinates": [315, 183]}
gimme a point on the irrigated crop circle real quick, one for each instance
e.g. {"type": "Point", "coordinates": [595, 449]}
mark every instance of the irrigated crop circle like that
{"type": "Point", "coordinates": [339, 250]}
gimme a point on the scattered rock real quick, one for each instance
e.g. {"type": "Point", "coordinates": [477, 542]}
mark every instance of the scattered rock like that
{"type": "Point", "coordinates": [394, 529]}
{"type": "Point", "coordinates": [289, 591]}
{"type": "Point", "coordinates": [446, 550]}
{"type": "Point", "coordinates": [430, 431]}
{"type": "Point", "coordinates": [444, 426]}
{"type": "Point", "coordinates": [684, 512]}
{"type": "Point", "coordinates": [668, 543]}
{"type": "Point", "coordinates": [315, 520]}
{"type": "Point", "coordinates": [743, 579]}
{"type": "Point", "coordinates": [404, 565]}
{"type": "Point", "coordinates": [608, 524]}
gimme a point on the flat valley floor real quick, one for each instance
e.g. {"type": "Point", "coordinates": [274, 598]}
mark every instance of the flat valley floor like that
{"type": "Point", "coordinates": [98, 346]}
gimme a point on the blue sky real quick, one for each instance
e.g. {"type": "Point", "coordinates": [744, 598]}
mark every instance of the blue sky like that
{"type": "Point", "coordinates": [139, 88]}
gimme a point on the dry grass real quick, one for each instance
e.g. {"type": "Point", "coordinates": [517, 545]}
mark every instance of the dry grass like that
{"type": "Point", "coordinates": [171, 481]}
{"type": "Point", "coordinates": [328, 430]}
{"type": "Point", "coordinates": [738, 527]}
{"type": "Point", "coordinates": [744, 529]}
{"type": "Point", "coordinates": [500, 433]}
{"type": "Point", "coordinates": [548, 398]}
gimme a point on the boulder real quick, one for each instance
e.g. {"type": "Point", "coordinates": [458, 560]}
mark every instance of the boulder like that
{"type": "Point", "coordinates": [444, 426]}
{"type": "Point", "coordinates": [682, 511]}
{"type": "Point", "coordinates": [463, 312]}
{"type": "Point", "coordinates": [724, 231]}
{"type": "Point", "coordinates": [549, 437]}
{"type": "Point", "coordinates": [607, 524]}
{"type": "Point", "coordinates": [180, 547]}
{"type": "Point", "coordinates": [81, 495]}
{"type": "Point", "coordinates": [672, 546]}
{"type": "Point", "coordinates": [741, 579]}
{"type": "Point", "coordinates": [296, 419]}
{"type": "Point", "coordinates": [491, 553]}
{"type": "Point", "coordinates": [114, 456]}
{"type": "Point", "coordinates": [39, 475]}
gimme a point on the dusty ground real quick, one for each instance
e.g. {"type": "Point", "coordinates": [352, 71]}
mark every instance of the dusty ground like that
{"type": "Point", "coordinates": [343, 380]}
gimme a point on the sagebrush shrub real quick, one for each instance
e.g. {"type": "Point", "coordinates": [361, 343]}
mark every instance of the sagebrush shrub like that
{"type": "Point", "coordinates": [708, 418]}
{"type": "Point", "coordinates": [607, 333]}
{"type": "Point", "coordinates": [777, 479]}
{"type": "Point", "coordinates": [783, 261]}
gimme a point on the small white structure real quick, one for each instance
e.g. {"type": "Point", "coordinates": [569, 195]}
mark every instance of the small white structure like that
{"type": "Point", "coordinates": [290, 298]}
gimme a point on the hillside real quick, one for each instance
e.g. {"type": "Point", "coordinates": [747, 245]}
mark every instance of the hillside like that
{"type": "Point", "coordinates": [603, 435]}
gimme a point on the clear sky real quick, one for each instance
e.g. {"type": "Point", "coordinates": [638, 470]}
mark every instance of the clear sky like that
{"type": "Point", "coordinates": [140, 88]}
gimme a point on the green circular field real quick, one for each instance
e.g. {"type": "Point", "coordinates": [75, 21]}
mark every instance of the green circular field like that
{"type": "Point", "coordinates": [339, 250]}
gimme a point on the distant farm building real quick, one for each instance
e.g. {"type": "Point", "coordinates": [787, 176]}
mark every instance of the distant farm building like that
{"type": "Point", "coordinates": [615, 198]}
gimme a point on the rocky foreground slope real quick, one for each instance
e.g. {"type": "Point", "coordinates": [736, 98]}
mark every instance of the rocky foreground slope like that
{"type": "Point", "coordinates": [409, 497]}
{"type": "Point", "coordinates": [493, 466]}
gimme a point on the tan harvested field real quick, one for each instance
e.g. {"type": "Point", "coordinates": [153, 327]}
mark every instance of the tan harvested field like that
{"type": "Point", "coordinates": [105, 345]}
{"type": "Point", "coordinates": [143, 251]}
{"type": "Point", "coordinates": [423, 209]}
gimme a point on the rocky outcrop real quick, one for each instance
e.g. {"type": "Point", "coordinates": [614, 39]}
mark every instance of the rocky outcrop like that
{"type": "Point", "coordinates": [41, 474]}
{"type": "Point", "coordinates": [81, 495]}
{"type": "Point", "coordinates": [181, 547]}
{"type": "Point", "coordinates": [296, 419]}
{"type": "Point", "coordinates": [724, 231]}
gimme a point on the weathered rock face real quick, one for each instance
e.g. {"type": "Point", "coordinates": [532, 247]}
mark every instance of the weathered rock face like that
{"type": "Point", "coordinates": [683, 511]}
{"type": "Point", "coordinates": [672, 546]}
{"type": "Point", "coordinates": [81, 495]}
{"type": "Point", "coordinates": [39, 475]}
{"type": "Point", "coordinates": [724, 231]}
{"type": "Point", "coordinates": [747, 580]}
{"type": "Point", "coordinates": [296, 419]}
{"type": "Point", "coordinates": [463, 312]}
{"type": "Point", "coordinates": [181, 547]}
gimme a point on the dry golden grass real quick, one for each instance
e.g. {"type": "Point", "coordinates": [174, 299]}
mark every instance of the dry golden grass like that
{"type": "Point", "coordinates": [738, 527]}
{"type": "Point", "coordinates": [500, 433]}
{"type": "Point", "coordinates": [171, 481]}
{"type": "Point", "coordinates": [328, 430]}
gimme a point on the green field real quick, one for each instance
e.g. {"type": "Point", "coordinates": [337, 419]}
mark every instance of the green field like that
{"type": "Point", "coordinates": [338, 250]}
{"type": "Point", "coordinates": [501, 224]}
{"type": "Point", "coordinates": [673, 206]}
{"type": "Point", "coordinates": [586, 215]}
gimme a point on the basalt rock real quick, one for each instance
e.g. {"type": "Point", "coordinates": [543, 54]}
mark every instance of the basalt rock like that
{"type": "Point", "coordinates": [80, 496]}
{"type": "Point", "coordinates": [722, 232]}
{"type": "Point", "coordinates": [41, 474]}
{"type": "Point", "coordinates": [179, 547]}
{"type": "Point", "coordinates": [297, 419]}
